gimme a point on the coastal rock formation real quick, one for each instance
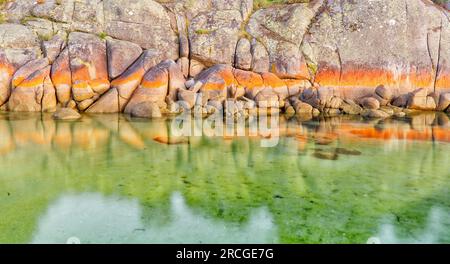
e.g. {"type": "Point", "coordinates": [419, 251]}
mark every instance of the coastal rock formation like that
{"type": "Point", "coordinates": [88, 66]}
{"type": "Point", "coordinates": [355, 46]}
{"type": "Point", "coordinates": [353, 57]}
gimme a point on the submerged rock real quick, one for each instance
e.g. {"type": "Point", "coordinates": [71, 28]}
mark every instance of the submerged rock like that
{"type": "Point", "coordinates": [345, 151]}
{"type": "Point", "coordinates": [326, 155]}
{"type": "Point", "coordinates": [146, 110]}
{"type": "Point", "coordinates": [66, 114]}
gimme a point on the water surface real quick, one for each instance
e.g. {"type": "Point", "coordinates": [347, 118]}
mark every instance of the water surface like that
{"type": "Point", "coordinates": [112, 179]}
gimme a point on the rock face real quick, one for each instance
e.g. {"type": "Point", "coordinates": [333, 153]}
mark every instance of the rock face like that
{"type": "Point", "coordinates": [88, 65]}
{"type": "Point", "coordinates": [6, 73]}
{"type": "Point", "coordinates": [34, 93]}
{"type": "Point", "coordinates": [18, 45]}
{"type": "Point", "coordinates": [124, 86]}
{"type": "Point", "coordinates": [107, 56]}
{"type": "Point", "coordinates": [121, 54]}
{"type": "Point", "coordinates": [62, 77]}
{"type": "Point", "coordinates": [146, 110]}
{"type": "Point", "coordinates": [66, 114]}
{"type": "Point", "coordinates": [355, 46]}
{"type": "Point", "coordinates": [214, 35]}
{"type": "Point", "coordinates": [144, 22]}
{"type": "Point", "coordinates": [153, 88]}
{"type": "Point", "coordinates": [281, 31]}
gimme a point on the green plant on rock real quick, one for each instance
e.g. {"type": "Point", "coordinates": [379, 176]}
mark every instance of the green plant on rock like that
{"type": "Point", "coordinates": [203, 31]}
{"type": "Point", "coordinates": [102, 35]}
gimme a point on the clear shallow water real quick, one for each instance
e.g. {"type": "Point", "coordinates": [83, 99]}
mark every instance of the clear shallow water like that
{"type": "Point", "coordinates": [110, 179]}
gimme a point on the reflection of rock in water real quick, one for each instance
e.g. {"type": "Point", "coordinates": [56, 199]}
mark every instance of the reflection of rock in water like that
{"type": "Point", "coordinates": [171, 140]}
{"type": "Point", "coordinates": [325, 155]}
{"type": "Point", "coordinates": [434, 231]}
{"type": "Point", "coordinates": [345, 151]}
{"type": "Point", "coordinates": [94, 218]}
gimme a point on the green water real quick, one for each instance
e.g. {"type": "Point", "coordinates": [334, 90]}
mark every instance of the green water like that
{"type": "Point", "coordinates": [109, 179]}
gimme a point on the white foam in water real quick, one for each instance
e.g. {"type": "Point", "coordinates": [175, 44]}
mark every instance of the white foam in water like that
{"type": "Point", "coordinates": [93, 218]}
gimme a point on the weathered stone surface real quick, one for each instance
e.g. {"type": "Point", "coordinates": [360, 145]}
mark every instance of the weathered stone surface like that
{"type": "Point", "coordinates": [444, 102]}
{"type": "Point", "coordinates": [184, 46]}
{"type": "Point", "coordinates": [66, 114]}
{"type": "Point", "coordinates": [213, 37]}
{"type": "Point", "coordinates": [370, 103]}
{"type": "Point", "coordinates": [245, 7]}
{"type": "Point", "coordinates": [301, 107]}
{"type": "Point", "coordinates": [243, 56]}
{"type": "Point", "coordinates": [6, 74]}
{"type": "Point", "coordinates": [34, 94]}
{"type": "Point", "coordinates": [216, 83]}
{"type": "Point", "coordinates": [43, 28]}
{"type": "Point", "coordinates": [18, 44]}
{"type": "Point", "coordinates": [195, 67]}
{"type": "Point", "coordinates": [278, 86]}
{"type": "Point", "coordinates": [146, 110]}
{"type": "Point", "coordinates": [355, 46]}
{"type": "Point", "coordinates": [121, 54]}
{"type": "Point", "coordinates": [123, 87]}
{"type": "Point", "coordinates": [61, 11]}
{"type": "Point", "coordinates": [187, 98]}
{"type": "Point", "coordinates": [176, 82]}
{"type": "Point", "coordinates": [383, 92]}
{"type": "Point", "coordinates": [88, 16]}
{"type": "Point", "coordinates": [62, 77]}
{"type": "Point", "coordinates": [419, 100]}
{"type": "Point", "coordinates": [53, 47]}
{"type": "Point", "coordinates": [401, 101]}
{"type": "Point", "coordinates": [296, 87]}
{"type": "Point", "coordinates": [27, 69]}
{"type": "Point", "coordinates": [15, 11]}
{"type": "Point", "coordinates": [153, 88]}
{"type": "Point", "coordinates": [183, 63]}
{"type": "Point", "coordinates": [252, 82]}
{"type": "Point", "coordinates": [374, 113]}
{"type": "Point", "coordinates": [260, 57]}
{"type": "Point", "coordinates": [144, 22]}
{"type": "Point", "coordinates": [281, 30]}
{"type": "Point", "coordinates": [88, 65]}
{"type": "Point", "coordinates": [350, 107]}
{"type": "Point", "coordinates": [49, 100]}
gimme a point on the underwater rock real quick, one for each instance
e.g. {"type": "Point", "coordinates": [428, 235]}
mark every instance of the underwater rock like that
{"type": "Point", "coordinates": [345, 151]}
{"type": "Point", "coordinates": [66, 114]}
{"type": "Point", "coordinates": [326, 155]}
{"type": "Point", "coordinates": [146, 110]}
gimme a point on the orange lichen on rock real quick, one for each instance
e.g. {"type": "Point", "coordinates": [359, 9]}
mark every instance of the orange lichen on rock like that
{"type": "Point", "coordinates": [214, 84]}
{"type": "Point", "coordinates": [443, 82]}
{"type": "Point", "coordinates": [26, 70]}
{"type": "Point", "coordinates": [155, 79]}
{"type": "Point", "coordinates": [249, 80]}
{"type": "Point", "coordinates": [6, 74]}
{"type": "Point", "coordinates": [226, 74]}
{"type": "Point", "coordinates": [127, 77]}
{"type": "Point", "coordinates": [271, 81]}
{"type": "Point", "coordinates": [35, 79]}
{"type": "Point", "coordinates": [363, 76]}
{"type": "Point", "coordinates": [62, 77]}
{"type": "Point", "coordinates": [153, 88]}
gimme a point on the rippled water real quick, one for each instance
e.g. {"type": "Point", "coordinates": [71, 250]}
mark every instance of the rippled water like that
{"type": "Point", "coordinates": [118, 180]}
